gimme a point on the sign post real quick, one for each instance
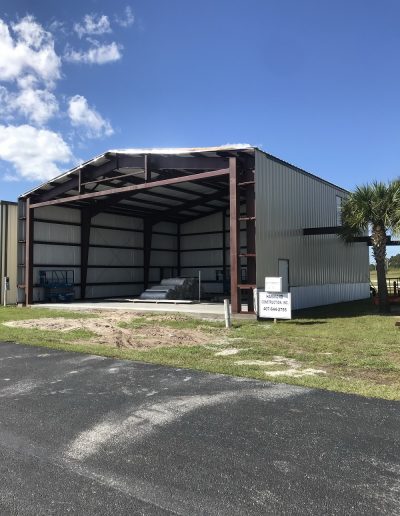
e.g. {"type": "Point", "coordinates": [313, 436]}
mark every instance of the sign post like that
{"type": "Point", "coordinates": [6, 286]}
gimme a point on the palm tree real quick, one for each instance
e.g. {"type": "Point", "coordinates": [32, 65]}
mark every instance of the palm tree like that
{"type": "Point", "coordinates": [374, 208]}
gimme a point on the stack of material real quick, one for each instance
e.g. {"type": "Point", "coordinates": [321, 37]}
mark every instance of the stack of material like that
{"type": "Point", "coordinates": [173, 288]}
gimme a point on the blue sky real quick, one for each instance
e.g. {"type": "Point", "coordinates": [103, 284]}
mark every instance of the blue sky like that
{"type": "Point", "coordinates": [314, 82]}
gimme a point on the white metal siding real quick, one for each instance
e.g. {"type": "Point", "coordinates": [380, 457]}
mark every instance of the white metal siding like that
{"type": "Point", "coordinates": [49, 232]}
{"type": "Point", "coordinates": [318, 295]}
{"type": "Point", "coordinates": [115, 263]}
{"type": "Point", "coordinates": [204, 252]}
{"type": "Point", "coordinates": [58, 213]}
{"type": "Point", "coordinates": [164, 256]}
{"type": "Point", "coordinates": [52, 255]}
{"type": "Point", "coordinates": [114, 237]}
{"type": "Point", "coordinates": [117, 221]}
{"type": "Point", "coordinates": [287, 201]}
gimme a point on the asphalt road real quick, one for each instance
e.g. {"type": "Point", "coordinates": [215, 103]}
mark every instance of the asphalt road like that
{"type": "Point", "coordinates": [81, 434]}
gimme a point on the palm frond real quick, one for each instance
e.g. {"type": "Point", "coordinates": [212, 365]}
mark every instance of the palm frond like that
{"type": "Point", "coordinates": [376, 204]}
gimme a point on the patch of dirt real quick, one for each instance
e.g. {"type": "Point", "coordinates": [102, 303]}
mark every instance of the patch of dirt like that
{"type": "Point", "coordinates": [260, 363]}
{"type": "Point", "coordinates": [293, 367]}
{"type": "Point", "coordinates": [227, 352]}
{"type": "Point", "coordinates": [105, 326]}
{"type": "Point", "coordinates": [296, 373]}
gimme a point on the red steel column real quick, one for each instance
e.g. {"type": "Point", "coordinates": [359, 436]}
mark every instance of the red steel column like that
{"type": "Point", "coordinates": [234, 209]}
{"type": "Point", "coordinates": [28, 252]}
{"type": "Point", "coordinates": [251, 243]}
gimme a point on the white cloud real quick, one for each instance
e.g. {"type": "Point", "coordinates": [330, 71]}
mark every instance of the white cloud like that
{"type": "Point", "coordinates": [97, 54]}
{"type": "Point", "coordinates": [9, 178]}
{"type": "Point", "coordinates": [57, 27]}
{"type": "Point", "coordinates": [29, 70]}
{"type": "Point", "coordinates": [127, 19]}
{"type": "Point", "coordinates": [5, 111]}
{"type": "Point", "coordinates": [93, 24]}
{"type": "Point", "coordinates": [33, 152]}
{"type": "Point", "coordinates": [31, 51]}
{"type": "Point", "coordinates": [30, 33]}
{"type": "Point", "coordinates": [27, 81]}
{"type": "Point", "coordinates": [87, 118]}
{"type": "Point", "coordinates": [38, 106]}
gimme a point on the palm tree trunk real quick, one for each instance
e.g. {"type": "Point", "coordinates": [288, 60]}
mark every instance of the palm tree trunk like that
{"type": "Point", "coordinates": [378, 238]}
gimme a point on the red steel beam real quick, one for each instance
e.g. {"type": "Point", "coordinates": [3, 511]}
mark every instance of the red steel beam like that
{"type": "Point", "coordinates": [189, 205]}
{"type": "Point", "coordinates": [133, 188]}
{"type": "Point", "coordinates": [234, 208]}
{"type": "Point", "coordinates": [122, 161]}
{"type": "Point", "coordinates": [73, 182]}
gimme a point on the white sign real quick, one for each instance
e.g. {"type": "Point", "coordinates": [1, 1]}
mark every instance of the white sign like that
{"type": "Point", "coordinates": [272, 305]}
{"type": "Point", "coordinates": [273, 285]}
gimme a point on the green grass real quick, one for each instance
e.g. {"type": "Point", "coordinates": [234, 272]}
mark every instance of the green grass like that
{"type": "Point", "coordinates": [359, 349]}
{"type": "Point", "coordinates": [391, 274]}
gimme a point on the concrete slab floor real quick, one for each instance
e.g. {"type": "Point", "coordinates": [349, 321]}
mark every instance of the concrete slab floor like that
{"type": "Point", "coordinates": [211, 310]}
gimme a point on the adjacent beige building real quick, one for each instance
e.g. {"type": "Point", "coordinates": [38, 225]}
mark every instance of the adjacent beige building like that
{"type": "Point", "coordinates": [8, 250]}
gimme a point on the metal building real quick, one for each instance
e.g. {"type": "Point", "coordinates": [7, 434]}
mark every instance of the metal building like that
{"type": "Point", "coordinates": [8, 250]}
{"type": "Point", "coordinates": [127, 218]}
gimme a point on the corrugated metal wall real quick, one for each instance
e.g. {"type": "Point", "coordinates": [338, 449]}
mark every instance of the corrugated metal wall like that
{"type": "Point", "coordinates": [202, 250]}
{"type": "Point", "coordinates": [163, 258]}
{"type": "Point", "coordinates": [8, 249]}
{"type": "Point", "coordinates": [56, 234]}
{"type": "Point", "coordinates": [115, 262]}
{"type": "Point", "coordinates": [287, 201]}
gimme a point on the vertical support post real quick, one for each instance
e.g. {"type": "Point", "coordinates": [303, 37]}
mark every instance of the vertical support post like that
{"type": "Point", "coordinates": [28, 252]}
{"type": "Point", "coordinates": [147, 168]}
{"type": "Point", "coordinates": [4, 286]}
{"type": "Point", "coordinates": [178, 250]}
{"type": "Point", "coordinates": [3, 246]}
{"type": "Point", "coordinates": [147, 238]}
{"type": "Point", "coordinates": [227, 313]}
{"type": "Point", "coordinates": [2, 243]}
{"type": "Point", "coordinates": [251, 244]}
{"type": "Point", "coordinates": [224, 251]}
{"type": "Point", "coordinates": [234, 208]}
{"type": "Point", "coordinates": [5, 236]}
{"type": "Point", "coordinates": [86, 220]}
{"type": "Point", "coordinates": [4, 219]}
{"type": "Point", "coordinates": [199, 286]}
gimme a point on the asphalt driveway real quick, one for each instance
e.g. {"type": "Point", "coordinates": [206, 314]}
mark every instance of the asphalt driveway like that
{"type": "Point", "coordinates": [82, 434]}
